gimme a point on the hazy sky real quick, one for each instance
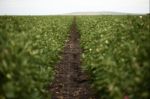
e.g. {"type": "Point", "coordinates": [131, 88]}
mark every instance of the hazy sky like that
{"type": "Point", "coordinates": [65, 6]}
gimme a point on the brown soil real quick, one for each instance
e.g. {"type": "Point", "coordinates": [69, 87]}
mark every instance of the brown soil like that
{"type": "Point", "coordinates": [70, 81]}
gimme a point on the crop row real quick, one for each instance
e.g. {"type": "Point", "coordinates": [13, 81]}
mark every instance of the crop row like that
{"type": "Point", "coordinates": [29, 48]}
{"type": "Point", "coordinates": [116, 54]}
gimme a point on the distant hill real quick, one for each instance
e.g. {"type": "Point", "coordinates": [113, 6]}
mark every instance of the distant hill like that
{"type": "Point", "coordinates": [102, 13]}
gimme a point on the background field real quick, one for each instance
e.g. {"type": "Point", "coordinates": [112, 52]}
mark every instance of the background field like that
{"type": "Point", "coordinates": [115, 54]}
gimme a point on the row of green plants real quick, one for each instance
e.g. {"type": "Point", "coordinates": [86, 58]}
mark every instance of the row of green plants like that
{"type": "Point", "coordinates": [116, 53]}
{"type": "Point", "coordinates": [29, 48]}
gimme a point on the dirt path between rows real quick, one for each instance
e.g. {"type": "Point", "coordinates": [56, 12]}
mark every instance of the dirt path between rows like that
{"type": "Point", "coordinates": [70, 81]}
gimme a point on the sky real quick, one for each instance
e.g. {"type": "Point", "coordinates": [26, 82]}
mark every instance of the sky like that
{"type": "Point", "coordinates": [46, 7]}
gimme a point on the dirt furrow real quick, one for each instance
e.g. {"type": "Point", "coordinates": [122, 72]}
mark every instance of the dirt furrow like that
{"type": "Point", "coordinates": [70, 81]}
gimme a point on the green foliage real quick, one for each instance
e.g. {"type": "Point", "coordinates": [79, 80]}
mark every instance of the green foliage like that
{"type": "Point", "coordinates": [29, 48]}
{"type": "Point", "coordinates": [116, 54]}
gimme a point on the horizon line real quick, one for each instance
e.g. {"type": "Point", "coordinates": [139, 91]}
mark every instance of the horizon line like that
{"type": "Point", "coordinates": [63, 13]}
